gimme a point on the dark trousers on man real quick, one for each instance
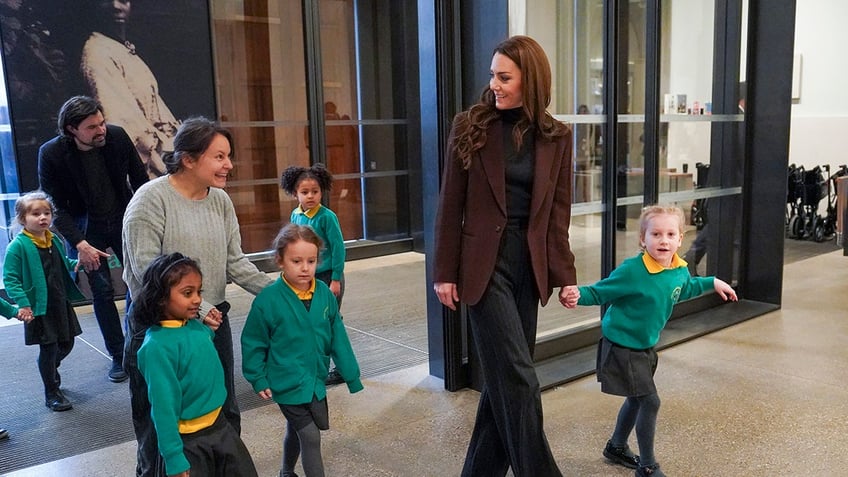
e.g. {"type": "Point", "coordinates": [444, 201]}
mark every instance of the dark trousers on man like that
{"type": "Point", "coordinates": [150, 463]}
{"type": "Point", "coordinates": [508, 431]}
{"type": "Point", "coordinates": [102, 235]}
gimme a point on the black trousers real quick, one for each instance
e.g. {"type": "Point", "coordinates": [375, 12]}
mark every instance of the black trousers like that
{"type": "Point", "coordinates": [508, 431]}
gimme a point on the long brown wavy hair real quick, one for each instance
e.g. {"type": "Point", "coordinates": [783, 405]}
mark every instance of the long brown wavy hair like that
{"type": "Point", "coordinates": [470, 126]}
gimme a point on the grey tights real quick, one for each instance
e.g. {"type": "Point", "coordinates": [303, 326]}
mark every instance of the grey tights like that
{"type": "Point", "coordinates": [305, 441]}
{"type": "Point", "coordinates": [640, 412]}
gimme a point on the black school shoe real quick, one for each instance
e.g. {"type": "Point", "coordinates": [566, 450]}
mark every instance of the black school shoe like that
{"type": "Point", "coordinates": [116, 372]}
{"type": "Point", "coordinates": [4, 434]}
{"type": "Point", "coordinates": [621, 455]}
{"type": "Point", "coordinates": [58, 402]}
{"type": "Point", "coordinates": [333, 378]}
{"type": "Point", "coordinates": [649, 471]}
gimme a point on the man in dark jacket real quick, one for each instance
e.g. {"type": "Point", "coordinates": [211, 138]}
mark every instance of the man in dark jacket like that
{"type": "Point", "coordinates": [91, 170]}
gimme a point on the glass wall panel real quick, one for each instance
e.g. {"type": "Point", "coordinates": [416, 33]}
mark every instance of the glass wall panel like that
{"type": "Point", "coordinates": [630, 155]}
{"type": "Point", "coordinates": [261, 88]}
{"type": "Point", "coordinates": [8, 168]}
{"type": "Point", "coordinates": [701, 132]}
{"type": "Point", "coordinates": [571, 33]}
{"type": "Point", "coordinates": [365, 69]}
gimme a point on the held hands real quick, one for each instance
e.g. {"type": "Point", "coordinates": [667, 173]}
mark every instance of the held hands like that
{"type": "Point", "coordinates": [335, 287]}
{"type": "Point", "coordinates": [447, 294]}
{"type": "Point", "coordinates": [725, 291]}
{"type": "Point", "coordinates": [568, 296]}
{"type": "Point", "coordinates": [25, 314]}
{"type": "Point", "coordinates": [265, 394]}
{"type": "Point", "coordinates": [213, 319]}
{"type": "Point", "coordinates": [89, 257]}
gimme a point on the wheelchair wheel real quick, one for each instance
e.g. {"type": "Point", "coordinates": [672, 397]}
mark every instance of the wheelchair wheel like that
{"type": "Point", "coordinates": [818, 232]}
{"type": "Point", "coordinates": [795, 225]}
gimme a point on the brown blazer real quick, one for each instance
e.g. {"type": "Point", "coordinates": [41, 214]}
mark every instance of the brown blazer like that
{"type": "Point", "coordinates": [472, 216]}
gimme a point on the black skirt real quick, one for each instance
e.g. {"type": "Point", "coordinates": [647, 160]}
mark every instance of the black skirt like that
{"type": "Point", "coordinates": [625, 371]}
{"type": "Point", "coordinates": [301, 415]}
{"type": "Point", "coordinates": [60, 324]}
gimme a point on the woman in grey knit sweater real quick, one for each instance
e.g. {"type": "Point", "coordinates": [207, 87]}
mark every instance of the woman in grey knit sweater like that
{"type": "Point", "coordinates": [187, 211]}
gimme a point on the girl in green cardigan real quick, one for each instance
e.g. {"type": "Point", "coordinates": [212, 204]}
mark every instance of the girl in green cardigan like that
{"type": "Point", "coordinates": [293, 329]}
{"type": "Point", "coordinates": [8, 310]}
{"type": "Point", "coordinates": [37, 277]}
{"type": "Point", "coordinates": [184, 376]}
{"type": "Point", "coordinates": [307, 185]}
{"type": "Point", "coordinates": [641, 293]}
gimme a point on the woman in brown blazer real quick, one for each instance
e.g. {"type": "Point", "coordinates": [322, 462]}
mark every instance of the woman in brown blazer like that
{"type": "Point", "coordinates": [502, 246]}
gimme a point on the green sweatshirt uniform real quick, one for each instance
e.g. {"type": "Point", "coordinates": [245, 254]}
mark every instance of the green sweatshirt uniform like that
{"type": "Point", "coordinates": [325, 223]}
{"type": "Point", "coordinates": [641, 294]}
{"type": "Point", "coordinates": [287, 348]}
{"type": "Point", "coordinates": [185, 380]}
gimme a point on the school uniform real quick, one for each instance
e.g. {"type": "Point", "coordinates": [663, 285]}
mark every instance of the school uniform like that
{"type": "Point", "coordinates": [641, 294]}
{"type": "Point", "coordinates": [36, 274]}
{"type": "Point", "coordinates": [185, 385]}
{"type": "Point", "coordinates": [286, 347]}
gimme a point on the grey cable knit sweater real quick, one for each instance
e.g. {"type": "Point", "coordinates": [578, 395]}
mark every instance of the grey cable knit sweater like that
{"type": "Point", "coordinates": [159, 220]}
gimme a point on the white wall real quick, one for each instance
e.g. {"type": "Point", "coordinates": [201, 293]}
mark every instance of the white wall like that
{"type": "Point", "coordinates": [820, 117]}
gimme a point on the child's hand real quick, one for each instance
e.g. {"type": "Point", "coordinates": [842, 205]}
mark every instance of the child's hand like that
{"type": "Point", "coordinates": [725, 291]}
{"type": "Point", "coordinates": [336, 287]}
{"type": "Point", "coordinates": [213, 319]}
{"type": "Point", "coordinates": [568, 296]}
{"type": "Point", "coordinates": [25, 314]}
{"type": "Point", "coordinates": [265, 394]}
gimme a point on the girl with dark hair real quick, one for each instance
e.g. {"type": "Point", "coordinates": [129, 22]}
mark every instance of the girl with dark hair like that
{"type": "Point", "coordinates": [187, 211]}
{"type": "Point", "coordinates": [502, 246]}
{"type": "Point", "coordinates": [293, 329]}
{"type": "Point", "coordinates": [184, 376]}
{"type": "Point", "coordinates": [308, 185]}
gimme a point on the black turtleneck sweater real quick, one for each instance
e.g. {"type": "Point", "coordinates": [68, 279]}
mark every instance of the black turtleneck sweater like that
{"type": "Point", "coordinates": [519, 170]}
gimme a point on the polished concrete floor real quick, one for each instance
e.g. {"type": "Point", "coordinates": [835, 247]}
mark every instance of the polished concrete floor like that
{"type": "Point", "coordinates": [766, 397]}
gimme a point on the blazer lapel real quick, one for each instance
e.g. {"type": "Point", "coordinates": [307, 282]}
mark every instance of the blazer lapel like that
{"type": "Point", "coordinates": [492, 164]}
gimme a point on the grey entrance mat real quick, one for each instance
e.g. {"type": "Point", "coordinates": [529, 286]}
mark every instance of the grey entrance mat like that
{"type": "Point", "coordinates": [386, 324]}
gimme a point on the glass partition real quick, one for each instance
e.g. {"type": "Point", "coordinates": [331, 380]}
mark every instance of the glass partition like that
{"type": "Point", "coordinates": [261, 66]}
{"type": "Point", "coordinates": [699, 143]}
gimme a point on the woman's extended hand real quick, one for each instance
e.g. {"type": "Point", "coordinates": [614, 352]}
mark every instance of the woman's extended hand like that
{"type": "Point", "coordinates": [447, 294]}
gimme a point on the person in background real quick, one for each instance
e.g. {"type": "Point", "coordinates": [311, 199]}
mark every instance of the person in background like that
{"type": "Point", "coordinates": [117, 76]}
{"type": "Point", "coordinates": [184, 376]}
{"type": "Point", "coordinates": [641, 293]}
{"type": "Point", "coordinates": [294, 327]}
{"type": "Point", "coordinates": [90, 170]}
{"type": "Point", "coordinates": [308, 186]}
{"type": "Point", "coordinates": [37, 276]}
{"type": "Point", "coordinates": [8, 310]}
{"type": "Point", "coordinates": [502, 246]}
{"type": "Point", "coordinates": [187, 211]}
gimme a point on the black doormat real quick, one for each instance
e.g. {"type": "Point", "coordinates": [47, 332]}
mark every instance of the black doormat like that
{"type": "Point", "coordinates": [101, 415]}
{"type": "Point", "coordinates": [387, 328]}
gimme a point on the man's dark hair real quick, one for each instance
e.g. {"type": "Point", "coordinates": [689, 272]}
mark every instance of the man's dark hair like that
{"type": "Point", "coordinates": [74, 111]}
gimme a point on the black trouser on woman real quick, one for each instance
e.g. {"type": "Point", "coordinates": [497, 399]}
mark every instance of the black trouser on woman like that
{"type": "Point", "coordinates": [508, 431]}
{"type": "Point", "coordinates": [150, 463]}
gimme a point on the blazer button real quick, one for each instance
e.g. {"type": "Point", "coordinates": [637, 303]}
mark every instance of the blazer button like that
{"type": "Point", "coordinates": [497, 228]}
